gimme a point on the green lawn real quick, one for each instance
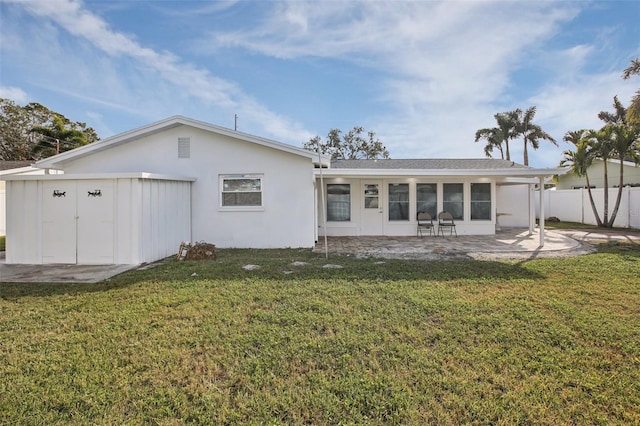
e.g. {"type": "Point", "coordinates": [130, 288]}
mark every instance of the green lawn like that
{"type": "Point", "coordinates": [584, 226]}
{"type": "Point", "coordinates": [549, 341]}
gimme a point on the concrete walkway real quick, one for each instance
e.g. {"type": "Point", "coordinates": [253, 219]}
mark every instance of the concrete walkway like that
{"type": "Point", "coordinates": [509, 243]}
{"type": "Point", "coordinates": [83, 274]}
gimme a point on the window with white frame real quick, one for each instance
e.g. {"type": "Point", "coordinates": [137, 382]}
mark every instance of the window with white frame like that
{"type": "Point", "coordinates": [241, 190]}
{"type": "Point", "coordinates": [480, 201]}
{"type": "Point", "coordinates": [427, 198]}
{"type": "Point", "coordinates": [453, 199]}
{"type": "Point", "coordinates": [338, 202]}
{"type": "Point", "coordinates": [398, 201]}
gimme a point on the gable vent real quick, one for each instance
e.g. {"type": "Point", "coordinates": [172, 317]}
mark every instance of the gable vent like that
{"type": "Point", "coordinates": [184, 147]}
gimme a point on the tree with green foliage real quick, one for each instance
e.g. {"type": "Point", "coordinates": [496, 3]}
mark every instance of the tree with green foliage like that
{"type": "Point", "coordinates": [633, 112]}
{"type": "Point", "coordinates": [354, 145]}
{"type": "Point", "coordinates": [620, 140]}
{"type": "Point", "coordinates": [61, 135]}
{"type": "Point", "coordinates": [617, 139]}
{"type": "Point", "coordinates": [497, 136]}
{"type": "Point", "coordinates": [579, 161]}
{"type": "Point", "coordinates": [625, 139]}
{"type": "Point", "coordinates": [33, 132]}
{"type": "Point", "coordinates": [531, 133]}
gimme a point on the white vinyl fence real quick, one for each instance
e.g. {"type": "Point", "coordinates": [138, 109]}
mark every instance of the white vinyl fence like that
{"type": "Point", "coordinates": [573, 205]}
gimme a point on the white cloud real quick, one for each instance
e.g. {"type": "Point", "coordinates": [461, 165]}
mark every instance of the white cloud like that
{"type": "Point", "coordinates": [433, 72]}
{"type": "Point", "coordinates": [448, 65]}
{"type": "Point", "coordinates": [162, 67]}
{"type": "Point", "coordinates": [16, 94]}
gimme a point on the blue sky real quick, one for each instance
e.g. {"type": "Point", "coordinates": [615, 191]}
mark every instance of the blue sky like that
{"type": "Point", "coordinates": [424, 75]}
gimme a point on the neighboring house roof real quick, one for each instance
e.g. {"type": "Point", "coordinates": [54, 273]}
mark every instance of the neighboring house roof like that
{"type": "Point", "coordinates": [8, 165]}
{"type": "Point", "coordinates": [160, 126]}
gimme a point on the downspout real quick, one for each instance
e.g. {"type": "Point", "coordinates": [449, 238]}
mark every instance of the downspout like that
{"type": "Point", "coordinates": [541, 179]}
{"type": "Point", "coordinates": [532, 208]}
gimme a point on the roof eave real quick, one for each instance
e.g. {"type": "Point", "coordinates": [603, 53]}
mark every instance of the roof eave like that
{"type": "Point", "coordinates": [85, 176]}
{"type": "Point", "coordinates": [524, 173]}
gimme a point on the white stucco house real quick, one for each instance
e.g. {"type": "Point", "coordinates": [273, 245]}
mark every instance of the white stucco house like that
{"type": "Point", "coordinates": [134, 197]}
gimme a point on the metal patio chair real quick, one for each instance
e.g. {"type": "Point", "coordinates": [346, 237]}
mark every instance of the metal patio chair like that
{"type": "Point", "coordinates": [445, 220]}
{"type": "Point", "coordinates": [425, 223]}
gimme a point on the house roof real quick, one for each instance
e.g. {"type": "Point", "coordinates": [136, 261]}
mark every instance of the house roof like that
{"type": "Point", "coordinates": [505, 172]}
{"type": "Point", "coordinates": [430, 164]}
{"type": "Point", "coordinates": [166, 124]}
{"type": "Point", "coordinates": [8, 165]}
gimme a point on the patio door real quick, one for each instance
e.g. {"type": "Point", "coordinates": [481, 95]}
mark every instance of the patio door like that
{"type": "Point", "coordinates": [371, 215]}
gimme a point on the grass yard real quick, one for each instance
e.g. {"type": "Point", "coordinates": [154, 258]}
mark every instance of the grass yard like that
{"type": "Point", "coordinates": [549, 341]}
{"type": "Point", "coordinates": [585, 227]}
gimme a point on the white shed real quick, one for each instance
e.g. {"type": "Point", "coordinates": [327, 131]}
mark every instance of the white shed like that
{"type": "Point", "coordinates": [126, 218]}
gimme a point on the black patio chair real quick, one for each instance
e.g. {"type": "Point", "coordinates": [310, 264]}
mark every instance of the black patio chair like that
{"type": "Point", "coordinates": [445, 220]}
{"type": "Point", "coordinates": [425, 223]}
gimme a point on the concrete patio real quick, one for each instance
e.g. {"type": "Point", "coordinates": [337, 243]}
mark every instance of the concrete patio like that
{"type": "Point", "coordinates": [508, 243]}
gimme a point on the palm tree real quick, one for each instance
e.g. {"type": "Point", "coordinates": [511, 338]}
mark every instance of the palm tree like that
{"type": "Point", "coordinates": [619, 114]}
{"type": "Point", "coordinates": [633, 112]}
{"type": "Point", "coordinates": [494, 139]}
{"type": "Point", "coordinates": [531, 133]}
{"type": "Point", "coordinates": [496, 136]}
{"type": "Point", "coordinates": [626, 144]}
{"type": "Point", "coordinates": [602, 147]}
{"type": "Point", "coordinates": [579, 161]}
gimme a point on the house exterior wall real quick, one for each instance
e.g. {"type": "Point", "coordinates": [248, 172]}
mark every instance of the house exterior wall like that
{"type": "Point", "coordinates": [514, 204]}
{"type": "Point", "coordinates": [286, 217]}
{"type": "Point", "coordinates": [360, 222]}
{"type": "Point", "coordinates": [3, 209]}
{"type": "Point", "coordinates": [149, 220]}
{"type": "Point", "coordinates": [596, 176]}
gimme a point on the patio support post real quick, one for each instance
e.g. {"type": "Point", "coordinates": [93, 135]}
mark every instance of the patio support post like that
{"type": "Point", "coordinates": [532, 208]}
{"type": "Point", "coordinates": [541, 179]}
{"type": "Point", "coordinates": [324, 211]}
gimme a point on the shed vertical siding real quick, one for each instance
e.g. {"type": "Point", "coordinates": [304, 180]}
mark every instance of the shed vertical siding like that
{"type": "Point", "coordinates": [24, 222]}
{"type": "Point", "coordinates": [126, 218]}
{"type": "Point", "coordinates": [165, 218]}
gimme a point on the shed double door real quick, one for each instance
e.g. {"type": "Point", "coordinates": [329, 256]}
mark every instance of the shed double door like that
{"type": "Point", "coordinates": [77, 222]}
